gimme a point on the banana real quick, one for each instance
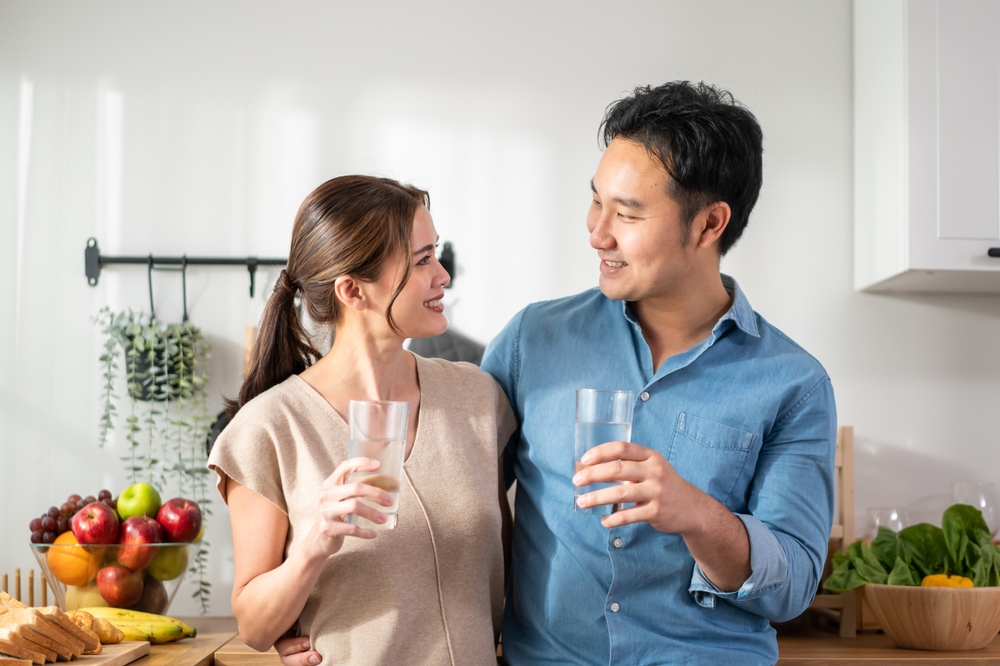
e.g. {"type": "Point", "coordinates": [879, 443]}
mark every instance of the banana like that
{"type": "Point", "coordinates": [139, 626]}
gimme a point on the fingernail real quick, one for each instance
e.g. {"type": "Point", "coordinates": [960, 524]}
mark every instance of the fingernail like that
{"type": "Point", "coordinates": [580, 502]}
{"type": "Point", "coordinates": [305, 645]}
{"type": "Point", "coordinates": [576, 479]}
{"type": "Point", "coordinates": [585, 459]}
{"type": "Point", "coordinates": [314, 659]}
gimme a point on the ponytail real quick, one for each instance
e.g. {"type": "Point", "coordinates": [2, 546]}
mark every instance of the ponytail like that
{"type": "Point", "coordinates": [282, 348]}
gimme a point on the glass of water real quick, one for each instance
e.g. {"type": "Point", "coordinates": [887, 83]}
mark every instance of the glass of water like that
{"type": "Point", "coordinates": [601, 416]}
{"type": "Point", "coordinates": [378, 431]}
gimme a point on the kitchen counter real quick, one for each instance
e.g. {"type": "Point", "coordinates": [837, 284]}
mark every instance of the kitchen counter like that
{"type": "Point", "coordinates": [831, 650]}
{"type": "Point", "coordinates": [213, 633]}
{"type": "Point", "coordinates": [814, 649]}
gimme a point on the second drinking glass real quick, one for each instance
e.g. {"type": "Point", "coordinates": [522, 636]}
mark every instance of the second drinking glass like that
{"type": "Point", "coordinates": [601, 416]}
{"type": "Point", "coordinates": [378, 431]}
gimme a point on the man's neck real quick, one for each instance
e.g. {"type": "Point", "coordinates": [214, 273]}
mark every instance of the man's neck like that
{"type": "Point", "coordinates": [674, 322]}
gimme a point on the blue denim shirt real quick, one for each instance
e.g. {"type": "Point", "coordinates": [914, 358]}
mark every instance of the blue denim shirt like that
{"type": "Point", "coordinates": [746, 415]}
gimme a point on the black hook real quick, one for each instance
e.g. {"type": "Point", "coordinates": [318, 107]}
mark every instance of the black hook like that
{"type": "Point", "coordinates": [184, 286]}
{"type": "Point", "coordinates": [149, 275]}
{"type": "Point", "coordinates": [252, 267]}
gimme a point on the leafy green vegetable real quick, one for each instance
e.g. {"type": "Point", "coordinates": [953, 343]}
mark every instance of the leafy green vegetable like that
{"type": "Point", "coordinates": [962, 546]}
{"type": "Point", "coordinates": [923, 547]}
{"type": "Point", "coordinates": [886, 548]}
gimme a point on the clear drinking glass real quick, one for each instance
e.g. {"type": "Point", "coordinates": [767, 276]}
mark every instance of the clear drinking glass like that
{"type": "Point", "coordinates": [601, 416]}
{"type": "Point", "coordinates": [893, 517]}
{"type": "Point", "coordinates": [983, 496]}
{"type": "Point", "coordinates": [378, 431]}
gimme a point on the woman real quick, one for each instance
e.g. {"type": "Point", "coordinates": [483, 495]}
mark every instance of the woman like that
{"type": "Point", "coordinates": [430, 591]}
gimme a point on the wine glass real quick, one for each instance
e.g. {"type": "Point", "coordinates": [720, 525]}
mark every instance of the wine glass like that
{"type": "Point", "coordinates": [983, 496]}
{"type": "Point", "coordinates": [893, 517]}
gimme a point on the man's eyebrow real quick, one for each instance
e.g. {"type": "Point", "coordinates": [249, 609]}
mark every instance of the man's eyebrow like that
{"type": "Point", "coordinates": [427, 248]}
{"type": "Point", "coordinates": [628, 203]}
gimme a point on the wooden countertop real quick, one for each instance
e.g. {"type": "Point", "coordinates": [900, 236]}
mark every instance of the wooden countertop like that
{"type": "Point", "coordinates": [805, 650]}
{"type": "Point", "coordinates": [238, 653]}
{"type": "Point", "coordinates": [213, 633]}
{"type": "Point", "coordinates": [815, 650]}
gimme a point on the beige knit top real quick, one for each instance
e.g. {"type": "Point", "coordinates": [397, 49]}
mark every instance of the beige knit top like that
{"type": "Point", "coordinates": [431, 590]}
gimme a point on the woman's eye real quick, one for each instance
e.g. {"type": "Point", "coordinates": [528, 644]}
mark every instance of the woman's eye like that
{"type": "Point", "coordinates": [424, 261]}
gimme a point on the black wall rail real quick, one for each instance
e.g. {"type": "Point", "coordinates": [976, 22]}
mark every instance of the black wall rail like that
{"type": "Point", "coordinates": [94, 261]}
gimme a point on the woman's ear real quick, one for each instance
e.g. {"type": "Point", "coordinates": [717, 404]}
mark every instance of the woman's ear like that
{"type": "Point", "coordinates": [349, 292]}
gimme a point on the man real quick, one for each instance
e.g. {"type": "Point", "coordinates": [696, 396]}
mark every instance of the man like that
{"type": "Point", "coordinates": [728, 486]}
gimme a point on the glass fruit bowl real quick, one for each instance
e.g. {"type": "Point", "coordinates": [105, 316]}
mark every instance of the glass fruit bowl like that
{"type": "Point", "coordinates": [140, 577]}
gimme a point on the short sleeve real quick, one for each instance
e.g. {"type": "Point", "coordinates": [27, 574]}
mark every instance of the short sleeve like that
{"type": "Point", "coordinates": [506, 421]}
{"type": "Point", "coordinates": [246, 452]}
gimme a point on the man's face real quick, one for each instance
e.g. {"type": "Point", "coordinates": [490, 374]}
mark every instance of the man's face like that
{"type": "Point", "coordinates": [635, 226]}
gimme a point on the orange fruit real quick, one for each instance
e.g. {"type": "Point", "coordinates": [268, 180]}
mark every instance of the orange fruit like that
{"type": "Point", "coordinates": [70, 562]}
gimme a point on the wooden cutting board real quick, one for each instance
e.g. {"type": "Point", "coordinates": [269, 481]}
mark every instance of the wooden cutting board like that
{"type": "Point", "coordinates": [117, 654]}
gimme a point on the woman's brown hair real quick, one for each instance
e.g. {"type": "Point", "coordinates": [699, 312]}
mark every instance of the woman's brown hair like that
{"type": "Point", "coordinates": [351, 225]}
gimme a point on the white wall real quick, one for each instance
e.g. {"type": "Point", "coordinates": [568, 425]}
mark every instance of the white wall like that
{"type": "Point", "coordinates": [196, 128]}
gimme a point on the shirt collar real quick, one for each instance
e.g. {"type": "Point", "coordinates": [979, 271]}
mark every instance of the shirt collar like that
{"type": "Point", "coordinates": [740, 312]}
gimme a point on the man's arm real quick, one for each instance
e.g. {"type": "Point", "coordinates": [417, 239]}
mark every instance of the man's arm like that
{"type": "Point", "coordinates": [770, 563]}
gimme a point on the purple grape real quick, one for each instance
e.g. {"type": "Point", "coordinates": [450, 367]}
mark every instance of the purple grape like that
{"type": "Point", "coordinates": [81, 504]}
{"type": "Point", "coordinates": [67, 509]}
{"type": "Point", "coordinates": [89, 499]}
{"type": "Point", "coordinates": [49, 523]}
{"type": "Point", "coordinates": [104, 494]}
{"type": "Point", "coordinates": [36, 524]}
{"type": "Point", "coordinates": [36, 536]}
{"type": "Point", "coordinates": [62, 525]}
{"type": "Point", "coordinates": [74, 498]}
{"type": "Point", "coordinates": [54, 512]}
{"type": "Point", "coordinates": [48, 537]}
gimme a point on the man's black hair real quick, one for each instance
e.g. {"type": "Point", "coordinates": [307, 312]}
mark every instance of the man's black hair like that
{"type": "Point", "coordinates": [710, 145]}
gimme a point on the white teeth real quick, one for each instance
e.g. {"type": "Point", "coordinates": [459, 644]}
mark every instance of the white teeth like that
{"type": "Point", "coordinates": [432, 304]}
{"type": "Point", "coordinates": [615, 264]}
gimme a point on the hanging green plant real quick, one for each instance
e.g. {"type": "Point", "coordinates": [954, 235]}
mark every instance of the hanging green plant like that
{"type": "Point", "coordinates": [167, 422]}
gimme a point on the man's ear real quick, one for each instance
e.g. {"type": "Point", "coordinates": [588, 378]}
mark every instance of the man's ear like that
{"type": "Point", "coordinates": [349, 291]}
{"type": "Point", "coordinates": [711, 222]}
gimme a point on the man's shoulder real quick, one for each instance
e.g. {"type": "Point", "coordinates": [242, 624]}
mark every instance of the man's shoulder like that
{"type": "Point", "coordinates": [792, 356]}
{"type": "Point", "coordinates": [583, 306]}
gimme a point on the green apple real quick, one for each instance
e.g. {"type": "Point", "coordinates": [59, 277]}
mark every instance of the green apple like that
{"type": "Point", "coordinates": [169, 563]}
{"type": "Point", "coordinates": [83, 596]}
{"type": "Point", "coordinates": [139, 499]}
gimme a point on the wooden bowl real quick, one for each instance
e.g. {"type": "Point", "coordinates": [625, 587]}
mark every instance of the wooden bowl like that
{"type": "Point", "coordinates": [936, 618]}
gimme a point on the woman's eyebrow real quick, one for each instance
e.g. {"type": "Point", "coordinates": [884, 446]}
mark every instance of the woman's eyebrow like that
{"type": "Point", "coordinates": [426, 248]}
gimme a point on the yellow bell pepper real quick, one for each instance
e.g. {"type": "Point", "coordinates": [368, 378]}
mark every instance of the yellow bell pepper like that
{"type": "Point", "coordinates": [941, 580]}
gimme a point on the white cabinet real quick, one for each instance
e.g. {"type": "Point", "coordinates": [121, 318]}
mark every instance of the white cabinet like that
{"type": "Point", "coordinates": [926, 145]}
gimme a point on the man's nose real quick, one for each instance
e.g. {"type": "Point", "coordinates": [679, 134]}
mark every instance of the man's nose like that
{"type": "Point", "coordinates": [600, 235]}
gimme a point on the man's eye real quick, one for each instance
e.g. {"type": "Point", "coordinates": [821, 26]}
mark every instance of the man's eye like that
{"type": "Point", "coordinates": [625, 217]}
{"type": "Point", "coordinates": [597, 203]}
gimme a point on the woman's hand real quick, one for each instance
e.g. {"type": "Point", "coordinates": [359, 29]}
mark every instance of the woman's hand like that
{"type": "Point", "coordinates": [297, 652]}
{"type": "Point", "coordinates": [339, 499]}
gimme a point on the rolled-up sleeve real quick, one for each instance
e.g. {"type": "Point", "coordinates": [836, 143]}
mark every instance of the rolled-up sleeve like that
{"type": "Point", "coordinates": [790, 513]}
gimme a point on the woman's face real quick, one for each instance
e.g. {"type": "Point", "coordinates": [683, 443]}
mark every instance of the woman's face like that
{"type": "Point", "coordinates": [419, 310]}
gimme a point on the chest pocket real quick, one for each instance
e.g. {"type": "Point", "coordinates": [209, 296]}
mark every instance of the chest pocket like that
{"type": "Point", "coordinates": [710, 455]}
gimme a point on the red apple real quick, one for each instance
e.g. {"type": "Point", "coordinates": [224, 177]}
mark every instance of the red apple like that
{"type": "Point", "coordinates": [95, 523]}
{"type": "Point", "coordinates": [119, 586]}
{"type": "Point", "coordinates": [181, 520]}
{"type": "Point", "coordinates": [136, 535]}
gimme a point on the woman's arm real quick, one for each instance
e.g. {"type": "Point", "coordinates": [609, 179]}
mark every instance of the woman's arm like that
{"type": "Point", "coordinates": [268, 593]}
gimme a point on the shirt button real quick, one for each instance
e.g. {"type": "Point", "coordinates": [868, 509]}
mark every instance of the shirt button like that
{"type": "Point", "coordinates": [644, 396]}
{"type": "Point", "coordinates": [619, 543]}
{"type": "Point", "coordinates": [615, 607]}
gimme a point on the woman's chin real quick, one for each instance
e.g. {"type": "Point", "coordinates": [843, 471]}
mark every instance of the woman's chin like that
{"type": "Point", "coordinates": [430, 329]}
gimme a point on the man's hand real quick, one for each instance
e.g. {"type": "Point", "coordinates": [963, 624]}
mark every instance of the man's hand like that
{"type": "Point", "coordinates": [296, 652]}
{"type": "Point", "coordinates": [715, 537]}
{"type": "Point", "coordinates": [661, 497]}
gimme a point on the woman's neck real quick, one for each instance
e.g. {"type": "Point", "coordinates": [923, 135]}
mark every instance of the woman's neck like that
{"type": "Point", "coordinates": [362, 365]}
